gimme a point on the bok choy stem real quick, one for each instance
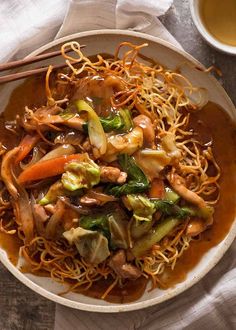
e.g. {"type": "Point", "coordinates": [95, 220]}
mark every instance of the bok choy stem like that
{"type": "Point", "coordinates": [154, 236]}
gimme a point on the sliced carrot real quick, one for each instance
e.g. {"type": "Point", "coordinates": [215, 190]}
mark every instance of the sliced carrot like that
{"type": "Point", "coordinates": [26, 145]}
{"type": "Point", "coordinates": [157, 189]}
{"type": "Point", "coordinates": [47, 168]}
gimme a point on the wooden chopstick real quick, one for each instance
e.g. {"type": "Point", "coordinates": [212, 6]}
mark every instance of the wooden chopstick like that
{"type": "Point", "coordinates": [16, 64]}
{"type": "Point", "coordinates": [25, 74]}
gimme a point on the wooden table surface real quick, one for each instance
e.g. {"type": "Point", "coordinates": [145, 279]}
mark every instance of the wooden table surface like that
{"type": "Point", "coordinates": [21, 308]}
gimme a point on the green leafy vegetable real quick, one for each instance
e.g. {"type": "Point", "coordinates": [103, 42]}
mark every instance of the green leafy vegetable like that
{"type": "Point", "coordinates": [171, 209]}
{"type": "Point", "coordinates": [142, 207]}
{"type": "Point", "coordinates": [84, 174]}
{"type": "Point", "coordinates": [112, 123]}
{"type": "Point", "coordinates": [57, 190]}
{"type": "Point", "coordinates": [121, 122]}
{"type": "Point", "coordinates": [137, 181]}
{"type": "Point", "coordinates": [112, 223]}
{"type": "Point", "coordinates": [98, 222]}
{"type": "Point", "coordinates": [127, 120]}
{"type": "Point", "coordinates": [54, 191]}
{"type": "Point", "coordinates": [203, 213]}
{"type": "Point", "coordinates": [91, 245]}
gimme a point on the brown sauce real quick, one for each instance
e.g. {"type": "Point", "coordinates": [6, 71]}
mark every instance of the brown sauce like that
{"type": "Point", "coordinates": [11, 244]}
{"type": "Point", "coordinates": [217, 124]}
{"type": "Point", "coordinates": [131, 290]}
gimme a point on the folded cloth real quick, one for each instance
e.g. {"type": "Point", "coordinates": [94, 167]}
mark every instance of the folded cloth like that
{"type": "Point", "coordinates": [138, 15]}
{"type": "Point", "coordinates": [28, 24]}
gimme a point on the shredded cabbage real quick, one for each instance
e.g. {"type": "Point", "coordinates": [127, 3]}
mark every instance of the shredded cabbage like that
{"type": "Point", "coordinates": [142, 207]}
{"type": "Point", "coordinates": [91, 245]}
{"type": "Point", "coordinates": [79, 175]}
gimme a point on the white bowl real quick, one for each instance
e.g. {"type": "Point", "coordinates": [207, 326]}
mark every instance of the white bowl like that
{"type": "Point", "coordinates": [195, 12]}
{"type": "Point", "coordinates": [105, 41]}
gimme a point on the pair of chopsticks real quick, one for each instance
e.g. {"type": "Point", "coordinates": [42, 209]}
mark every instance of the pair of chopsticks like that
{"type": "Point", "coordinates": [30, 60]}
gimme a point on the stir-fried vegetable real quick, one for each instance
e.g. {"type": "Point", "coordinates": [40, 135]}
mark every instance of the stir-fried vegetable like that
{"type": "Point", "coordinates": [91, 245]}
{"type": "Point", "coordinates": [143, 210]}
{"type": "Point", "coordinates": [82, 174]}
{"type": "Point", "coordinates": [112, 123]}
{"type": "Point", "coordinates": [126, 118]}
{"type": "Point", "coordinates": [47, 168]}
{"type": "Point", "coordinates": [111, 223]}
{"type": "Point", "coordinates": [137, 181]}
{"type": "Point", "coordinates": [157, 188]}
{"type": "Point", "coordinates": [154, 236]}
{"type": "Point", "coordinates": [121, 122]}
{"type": "Point", "coordinates": [95, 130]}
{"type": "Point", "coordinates": [96, 222]}
{"type": "Point", "coordinates": [142, 207]}
{"type": "Point", "coordinates": [26, 145]}
{"type": "Point", "coordinates": [72, 137]}
{"type": "Point", "coordinates": [171, 195]}
{"type": "Point", "coordinates": [169, 208]}
{"type": "Point", "coordinates": [62, 150]}
{"type": "Point", "coordinates": [56, 191]}
{"type": "Point", "coordinates": [123, 144]}
{"type": "Point", "coordinates": [118, 231]}
{"type": "Point", "coordinates": [140, 228]}
{"type": "Point", "coordinates": [53, 193]}
{"type": "Point", "coordinates": [152, 162]}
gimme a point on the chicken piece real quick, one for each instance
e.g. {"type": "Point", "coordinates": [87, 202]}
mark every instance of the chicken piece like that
{"type": "Point", "coordinates": [40, 217]}
{"type": "Point", "coordinates": [70, 218]}
{"type": "Point", "coordinates": [49, 115]}
{"type": "Point", "coordinates": [122, 268]}
{"type": "Point", "coordinates": [54, 225]}
{"type": "Point", "coordinates": [112, 174]}
{"type": "Point", "coordinates": [87, 146]}
{"type": "Point", "coordinates": [195, 227]}
{"type": "Point", "coordinates": [100, 87]}
{"type": "Point", "coordinates": [169, 145]}
{"type": "Point", "coordinates": [89, 201]}
{"type": "Point", "coordinates": [50, 208]}
{"type": "Point", "coordinates": [178, 184]}
{"type": "Point", "coordinates": [93, 197]}
{"type": "Point", "coordinates": [145, 123]}
{"type": "Point", "coordinates": [39, 211]}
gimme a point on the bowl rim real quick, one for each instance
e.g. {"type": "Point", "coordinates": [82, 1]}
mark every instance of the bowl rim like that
{"type": "Point", "coordinates": [207, 36]}
{"type": "Point", "coordinates": [176, 290]}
